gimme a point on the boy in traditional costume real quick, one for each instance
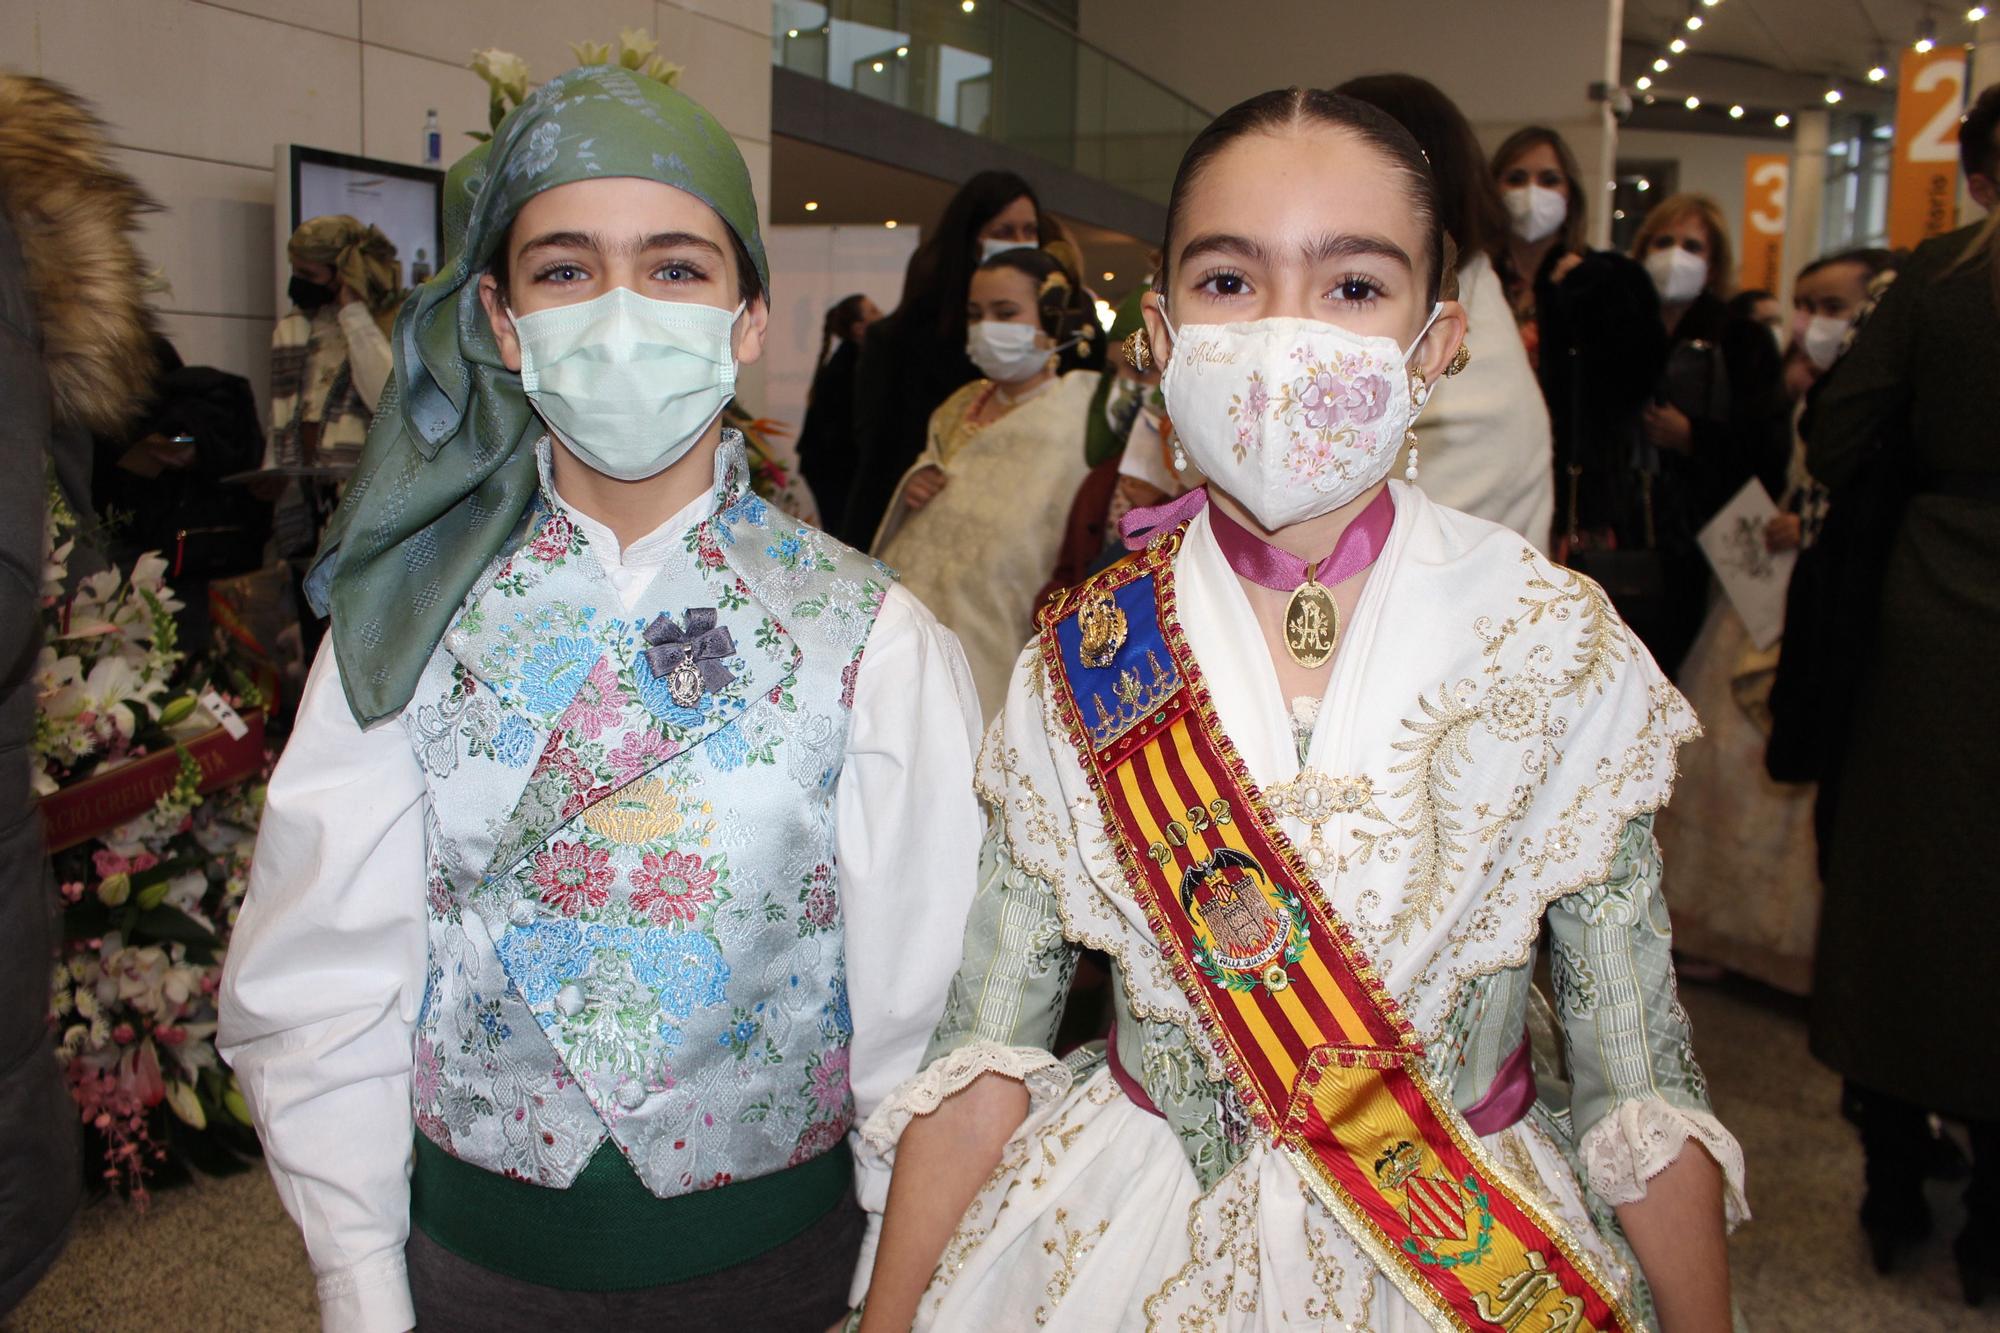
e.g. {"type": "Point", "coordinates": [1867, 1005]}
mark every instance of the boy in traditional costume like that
{"type": "Point", "coordinates": [1318, 1108]}
{"type": "Point", "coordinates": [577, 936]}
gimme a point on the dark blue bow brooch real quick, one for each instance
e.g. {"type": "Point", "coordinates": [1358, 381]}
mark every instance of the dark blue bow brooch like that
{"type": "Point", "coordinates": [690, 661]}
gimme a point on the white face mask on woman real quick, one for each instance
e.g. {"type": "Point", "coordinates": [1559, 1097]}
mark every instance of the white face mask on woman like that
{"type": "Point", "coordinates": [1293, 417]}
{"type": "Point", "coordinates": [1536, 210]}
{"type": "Point", "coordinates": [1677, 275]}
{"type": "Point", "coordinates": [1822, 338]}
{"type": "Point", "coordinates": [1006, 353]}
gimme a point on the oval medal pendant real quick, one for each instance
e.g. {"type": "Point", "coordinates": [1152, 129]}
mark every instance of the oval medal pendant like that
{"type": "Point", "coordinates": [1312, 625]}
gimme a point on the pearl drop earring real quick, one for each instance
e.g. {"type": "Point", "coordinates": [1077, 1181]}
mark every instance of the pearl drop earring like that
{"type": "Point", "coordinates": [1410, 472]}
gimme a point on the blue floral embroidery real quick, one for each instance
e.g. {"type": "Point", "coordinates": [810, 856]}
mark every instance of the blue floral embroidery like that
{"type": "Point", "coordinates": [836, 1020]}
{"type": "Point", "coordinates": [685, 970]}
{"type": "Point", "coordinates": [513, 744]}
{"type": "Point", "coordinates": [786, 550]}
{"type": "Point", "coordinates": [728, 749]}
{"type": "Point", "coordinates": [555, 670]}
{"type": "Point", "coordinates": [541, 958]}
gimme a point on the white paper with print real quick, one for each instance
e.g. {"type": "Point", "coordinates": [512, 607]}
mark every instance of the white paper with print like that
{"type": "Point", "coordinates": [1753, 577]}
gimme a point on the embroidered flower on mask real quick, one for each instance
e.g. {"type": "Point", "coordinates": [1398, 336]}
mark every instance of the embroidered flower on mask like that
{"type": "Point", "coordinates": [1365, 398]}
{"type": "Point", "coordinates": [573, 878]}
{"type": "Point", "coordinates": [1319, 398]}
{"type": "Point", "coordinates": [673, 888]}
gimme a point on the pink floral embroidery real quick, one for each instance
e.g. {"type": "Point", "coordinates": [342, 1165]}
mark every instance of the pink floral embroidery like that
{"type": "Point", "coordinates": [1256, 399]}
{"type": "Point", "coordinates": [639, 751]}
{"type": "Point", "coordinates": [1365, 398]}
{"type": "Point", "coordinates": [829, 1081]}
{"type": "Point", "coordinates": [849, 674]}
{"type": "Point", "coordinates": [555, 539]}
{"type": "Point", "coordinates": [819, 1137]}
{"type": "Point", "coordinates": [573, 878]}
{"type": "Point", "coordinates": [819, 899]}
{"type": "Point", "coordinates": [673, 888]}
{"type": "Point", "coordinates": [600, 703]}
{"type": "Point", "coordinates": [1319, 398]}
{"type": "Point", "coordinates": [427, 1082]}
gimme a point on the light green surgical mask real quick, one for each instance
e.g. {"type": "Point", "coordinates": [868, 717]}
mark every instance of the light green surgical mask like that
{"type": "Point", "coordinates": [627, 382]}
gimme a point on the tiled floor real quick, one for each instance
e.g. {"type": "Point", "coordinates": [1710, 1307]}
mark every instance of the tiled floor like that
{"type": "Point", "coordinates": [224, 1257]}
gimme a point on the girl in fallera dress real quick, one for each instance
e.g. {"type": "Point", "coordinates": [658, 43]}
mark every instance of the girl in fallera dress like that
{"type": "Point", "coordinates": [1314, 766]}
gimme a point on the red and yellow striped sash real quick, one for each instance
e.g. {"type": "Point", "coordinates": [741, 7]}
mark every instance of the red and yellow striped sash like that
{"type": "Point", "coordinates": [1317, 1050]}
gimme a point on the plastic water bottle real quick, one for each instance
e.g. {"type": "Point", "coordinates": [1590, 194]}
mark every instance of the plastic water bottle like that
{"type": "Point", "coordinates": [433, 139]}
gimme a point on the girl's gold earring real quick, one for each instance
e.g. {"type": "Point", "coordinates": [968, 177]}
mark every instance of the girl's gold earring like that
{"type": "Point", "coordinates": [1138, 351]}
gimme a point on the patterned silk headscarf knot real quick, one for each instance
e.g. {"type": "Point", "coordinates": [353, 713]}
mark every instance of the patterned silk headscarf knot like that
{"type": "Point", "coordinates": [449, 475]}
{"type": "Point", "coordinates": [360, 256]}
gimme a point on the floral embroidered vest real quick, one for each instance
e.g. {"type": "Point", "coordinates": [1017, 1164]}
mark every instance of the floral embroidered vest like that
{"type": "Point", "coordinates": [633, 901]}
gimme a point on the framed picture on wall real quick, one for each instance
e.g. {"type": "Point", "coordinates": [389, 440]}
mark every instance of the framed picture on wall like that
{"type": "Point", "coordinates": [406, 202]}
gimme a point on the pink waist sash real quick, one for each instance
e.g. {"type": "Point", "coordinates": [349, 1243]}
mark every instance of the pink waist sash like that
{"type": "Point", "coordinates": [1505, 1102]}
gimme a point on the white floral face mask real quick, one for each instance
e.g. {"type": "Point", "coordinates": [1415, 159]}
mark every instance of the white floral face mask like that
{"type": "Point", "coordinates": [1293, 417]}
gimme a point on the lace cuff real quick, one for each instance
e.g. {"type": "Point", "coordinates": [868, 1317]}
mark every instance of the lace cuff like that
{"type": "Point", "coordinates": [1046, 1077]}
{"type": "Point", "coordinates": [1639, 1139]}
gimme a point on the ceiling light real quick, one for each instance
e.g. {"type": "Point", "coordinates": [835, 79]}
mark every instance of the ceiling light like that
{"type": "Point", "coordinates": [890, 224]}
{"type": "Point", "coordinates": [1694, 23]}
{"type": "Point", "coordinates": [902, 52]}
{"type": "Point", "coordinates": [1833, 95]}
{"type": "Point", "coordinates": [1736, 113]}
{"type": "Point", "coordinates": [812, 205]}
{"type": "Point", "coordinates": [1643, 185]}
{"type": "Point", "coordinates": [1618, 214]}
{"type": "Point", "coordinates": [1711, 3]}
{"type": "Point", "coordinates": [1109, 276]}
{"type": "Point", "coordinates": [877, 67]}
{"type": "Point", "coordinates": [791, 32]}
{"type": "Point", "coordinates": [1693, 102]}
{"type": "Point", "coordinates": [1645, 82]}
{"type": "Point", "coordinates": [1877, 72]}
{"type": "Point", "coordinates": [1781, 120]}
{"type": "Point", "coordinates": [967, 5]}
{"type": "Point", "coordinates": [1923, 46]}
{"type": "Point", "coordinates": [1662, 65]}
{"type": "Point", "coordinates": [1926, 36]}
{"type": "Point", "coordinates": [1975, 14]}
{"type": "Point", "coordinates": [1677, 45]}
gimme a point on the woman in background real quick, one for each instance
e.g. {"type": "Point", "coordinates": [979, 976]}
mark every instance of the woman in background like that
{"type": "Point", "coordinates": [826, 440]}
{"type": "Point", "coordinates": [914, 358]}
{"type": "Point", "coordinates": [974, 527]}
{"type": "Point", "coordinates": [1719, 415]}
{"type": "Point", "coordinates": [1744, 880]}
{"type": "Point", "coordinates": [1485, 448]}
{"type": "Point", "coordinates": [1591, 325]}
{"type": "Point", "coordinates": [1904, 985]}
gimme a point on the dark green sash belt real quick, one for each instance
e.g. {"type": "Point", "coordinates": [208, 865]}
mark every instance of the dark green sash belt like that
{"type": "Point", "coordinates": [607, 1231]}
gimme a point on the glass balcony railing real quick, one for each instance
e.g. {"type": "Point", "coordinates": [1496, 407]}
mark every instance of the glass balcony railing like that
{"type": "Point", "coordinates": [996, 69]}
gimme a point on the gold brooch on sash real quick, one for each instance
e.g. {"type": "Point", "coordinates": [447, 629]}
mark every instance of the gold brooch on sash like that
{"type": "Point", "coordinates": [1102, 626]}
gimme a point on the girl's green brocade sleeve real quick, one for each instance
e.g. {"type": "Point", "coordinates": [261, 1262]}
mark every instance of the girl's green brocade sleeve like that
{"type": "Point", "coordinates": [1017, 966]}
{"type": "Point", "coordinates": [1638, 1095]}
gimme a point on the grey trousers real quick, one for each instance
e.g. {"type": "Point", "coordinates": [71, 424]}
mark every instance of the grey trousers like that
{"type": "Point", "coordinates": [799, 1287]}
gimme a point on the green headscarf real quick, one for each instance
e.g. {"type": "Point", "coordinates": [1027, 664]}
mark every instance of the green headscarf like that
{"type": "Point", "coordinates": [1100, 442]}
{"type": "Point", "coordinates": [449, 470]}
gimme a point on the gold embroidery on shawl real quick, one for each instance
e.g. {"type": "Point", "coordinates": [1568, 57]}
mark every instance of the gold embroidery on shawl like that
{"type": "Point", "coordinates": [1235, 1289]}
{"type": "Point", "coordinates": [1068, 1247]}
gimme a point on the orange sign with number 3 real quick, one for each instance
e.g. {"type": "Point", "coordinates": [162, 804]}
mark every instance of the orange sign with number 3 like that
{"type": "Point", "coordinates": [1923, 183]}
{"type": "Point", "coordinates": [1767, 181]}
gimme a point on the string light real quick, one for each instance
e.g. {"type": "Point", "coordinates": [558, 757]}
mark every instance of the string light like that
{"type": "Point", "coordinates": [1677, 46]}
{"type": "Point", "coordinates": [1693, 102]}
{"type": "Point", "coordinates": [1645, 82]}
{"type": "Point", "coordinates": [1694, 23]}
{"type": "Point", "coordinates": [1833, 96]}
{"type": "Point", "coordinates": [812, 205]}
{"type": "Point", "coordinates": [1736, 113]}
{"type": "Point", "coordinates": [1662, 65]}
{"type": "Point", "coordinates": [890, 224]}
{"type": "Point", "coordinates": [1975, 14]}
{"type": "Point", "coordinates": [1781, 120]}
{"type": "Point", "coordinates": [1926, 37]}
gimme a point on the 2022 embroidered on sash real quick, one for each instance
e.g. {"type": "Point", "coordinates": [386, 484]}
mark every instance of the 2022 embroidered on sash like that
{"type": "Point", "coordinates": [1317, 1050]}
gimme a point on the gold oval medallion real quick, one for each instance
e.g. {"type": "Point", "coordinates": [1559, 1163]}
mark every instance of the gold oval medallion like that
{"type": "Point", "coordinates": [1312, 625]}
